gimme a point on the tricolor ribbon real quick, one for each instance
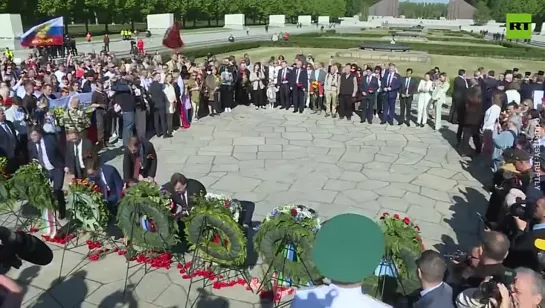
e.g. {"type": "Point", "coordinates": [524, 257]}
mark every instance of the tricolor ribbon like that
{"type": "Point", "coordinates": [50, 223]}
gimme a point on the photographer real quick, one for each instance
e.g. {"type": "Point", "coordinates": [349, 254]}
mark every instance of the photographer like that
{"type": "Point", "coordinates": [524, 289]}
{"type": "Point", "coordinates": [523, 250]}
{"type": "Point", "coordinates": [494, 249]}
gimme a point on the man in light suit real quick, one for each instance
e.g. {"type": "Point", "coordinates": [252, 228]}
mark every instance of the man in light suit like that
{"type": "Point", "coordinates": [439, 97]}
{"type": "Point", "coordinates": [435, 292]}
{"type": "Point", "coordinates": [318, 75]}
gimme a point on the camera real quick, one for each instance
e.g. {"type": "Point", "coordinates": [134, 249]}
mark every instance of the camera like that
{"type": "Point", "coordinates": [490, 289]}
{"type": "Point", "coordinates": [522, 209]}
{"type": "Point", "coordinates": [17, 246]}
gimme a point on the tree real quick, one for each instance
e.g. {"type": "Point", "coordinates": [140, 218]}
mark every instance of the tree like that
{"type": "Point", "coordinates": [481, 16]}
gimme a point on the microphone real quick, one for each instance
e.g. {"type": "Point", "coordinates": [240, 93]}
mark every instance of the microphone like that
{"type": "Point", "coordinates": [540, 244]}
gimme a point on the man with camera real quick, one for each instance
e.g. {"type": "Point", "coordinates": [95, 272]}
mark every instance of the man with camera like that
{"type": "Point", "coordinates": [522, 288]}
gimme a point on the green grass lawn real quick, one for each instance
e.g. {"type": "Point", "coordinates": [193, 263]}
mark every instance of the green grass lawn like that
{"type": "Point", "coordinates": [401, 41]}
{"type": "Point", "coordinates": [449, 64]}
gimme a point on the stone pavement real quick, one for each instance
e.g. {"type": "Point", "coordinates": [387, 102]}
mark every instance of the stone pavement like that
{"type": "Point", "coordinates": [273, 157]}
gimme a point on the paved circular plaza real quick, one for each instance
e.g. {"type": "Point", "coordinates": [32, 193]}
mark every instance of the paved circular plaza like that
{"type": "Point", "coordinates": [271, 158]}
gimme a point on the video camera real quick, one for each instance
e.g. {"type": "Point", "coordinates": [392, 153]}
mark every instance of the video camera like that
{"type": "Point", "coordinates": [490, 289]}
{"type": "Point", "coordinates": [522, 209]}
{"type": "Point", "coordinates": [17, 246]}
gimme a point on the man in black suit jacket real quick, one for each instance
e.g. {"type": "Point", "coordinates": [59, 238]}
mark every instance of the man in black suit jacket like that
{"type": "Point", "coordinates": [368, 87]}
{"type": "Point", "coordinates": [458, 95]}
{"type": "Point", "coordinates": [283, 83]}
{"type": "Point", "coordinates": [30, 102]}
{"type": "Point", "coordinates": [8, 142]}
{"type": "Point", "coordinates": [183, 191]}
{"type": "Point", "coordinates": [160, 103]}
{"type": "Point", "coordinates": [108, 179]}
{"type": "Point", "coordinates": [409, 86]}
{"type": "Point", "coordinates": [139, 160]}
{"type": "Point", "coordinates": [78, 149]}
{"type": "Point", "coordinates": [46, 150]}
{"type": "Point", "coordinates": [299, 84]}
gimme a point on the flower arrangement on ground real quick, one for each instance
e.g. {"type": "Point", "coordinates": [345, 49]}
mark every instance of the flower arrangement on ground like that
{"type": "Point", "coordinates": [30, 183]}
{"type": "Point", "coordinates": [285, 240]}
{"type": "Point", "coordinates": [87, 205]}
{"type": "Point", "coordinates": [144, 217]}
{"type": "Point", "coordinates": [403, 246]}
{"type": "Point", "coordinates": [4, 183]}
{"type": "Point", "coordinates": [213, 230]}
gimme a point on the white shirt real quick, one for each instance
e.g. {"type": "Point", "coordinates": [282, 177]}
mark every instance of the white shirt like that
{"type": "Point", "coordinates": [333, 296]}
{"type": "Point", "coordinates": [59, 75]}
{"type": "Point", "coordinates": [45, 158]}
{"type": "Point", "coordinates": [297, 77]}
{"type": "Point", "coordinates": [513, 96]}
{"type": "Point", "coordinates": [426, 291]}
{"type": "Point", "coordinates": [78, 148]}
{"type": "Point", "coordinates": [491, 116]}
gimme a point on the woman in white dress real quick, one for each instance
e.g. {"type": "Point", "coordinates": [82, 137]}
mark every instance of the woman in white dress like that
{"type": "Point", "coordinates": [170, 93]}
{"type": "Point", "coordinates": [424, 97]}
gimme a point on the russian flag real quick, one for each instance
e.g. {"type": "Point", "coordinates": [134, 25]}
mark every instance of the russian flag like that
{"type": "Point", "coordinates": [49, 33]}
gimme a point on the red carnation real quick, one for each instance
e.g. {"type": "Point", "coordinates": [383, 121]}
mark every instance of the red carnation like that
{"type": "Point", "coordinates": [385, 214]}
{"type": "Point", "coordinates": [396, 216]}
{"type": "Point", "coordinates": [293, 212]}
{"type": "Point", "coordinates": [417, 228]}
{"type": "Point", "coordinates": [406, 220]}
{"type": "Point", "coordinates": [227, 203]}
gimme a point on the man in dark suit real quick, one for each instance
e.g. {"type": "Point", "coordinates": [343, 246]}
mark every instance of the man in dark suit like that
{"type": "Point", "coordinates": [183, 192]}
{"type": "Point", "coordinates": [139, 160]}
{"type": "Point", "coordinates": [283, 83]}
{"type": "Point", "coordinates": [108, 179]}
{"type": "Point", "coordinates": [298, 84]}
{"type": "Point", "coordinates": [390, 87]}
{"type": "Point", "coordinates": [78, 149]}
{"type": "Point", "coordinates": [435, 292]}
{"type": "Point", "coordinates": [160, 103]}
{"type": "Point", "coordinates": [8, 142]}
{"type": "Point", "coordinates": [408, 88]}
{"type": "Point", "coordinates": [30, 102]}
{"type": "Point", "coordinates": [46, 150]}
{"type": "Point", "coordinates": [368, 87]}
{"type": "Point", "coordinates": [458, 94]}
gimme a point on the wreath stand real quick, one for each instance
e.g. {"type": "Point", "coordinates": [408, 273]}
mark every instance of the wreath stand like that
{"type": "Point", "coordinates": [227, 272]}
{"type": "Point", "coordinates": [21, 221]}
{"type": "Point", "coordinates": [131, 253]}
{"type": "Point", "coordinates": [280, 281]}
{"type": "Point", "coordinates": [386, 269]}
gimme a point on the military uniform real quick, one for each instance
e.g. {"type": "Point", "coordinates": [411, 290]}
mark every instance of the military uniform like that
{"type": "Point", "coordinates": [76, 119]}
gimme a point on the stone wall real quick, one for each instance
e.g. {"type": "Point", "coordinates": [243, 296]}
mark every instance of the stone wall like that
{"type": "Point", "coordinates": [385, 8]}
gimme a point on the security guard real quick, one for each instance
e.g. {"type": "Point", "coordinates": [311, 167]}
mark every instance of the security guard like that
{"type": "Point", "coordinates": [9, 54]}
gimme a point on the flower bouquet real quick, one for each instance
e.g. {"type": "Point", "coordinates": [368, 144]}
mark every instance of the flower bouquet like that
{"type": "Point", "coordinates": [58, 114]}
{"type": "Point", "coordinates": [88, 206]}
{"type": "Point", "coordinates": [4, 183]}
{"type": "Point", "coordinates": [316, 89]}
{"type": "Point", "coordinates": [233, 205]}
{"type": "Point", "coordinates": [285, 240]}
{"type": "Point", "coordinates": [403, 246]}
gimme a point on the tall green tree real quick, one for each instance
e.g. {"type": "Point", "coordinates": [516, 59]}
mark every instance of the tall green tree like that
{"type": "Point", "coordinates": [482, 13]}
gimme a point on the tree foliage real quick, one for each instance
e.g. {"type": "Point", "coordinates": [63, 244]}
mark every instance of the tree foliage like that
{"type": "Point", "coordinates": [482, 13]}
{"type": "Point", "coordinates": [423, 10]}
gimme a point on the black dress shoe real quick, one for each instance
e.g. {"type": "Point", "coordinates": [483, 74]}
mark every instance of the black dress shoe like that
{"type": "Point", "coordinates": [159, 135]}
{"type": "Point", "coordinates": [400, 123]}
{"type": "Point", "coordinates": [391, 122]}
{"type": "Point", "coordinates": [300, 111]}
{"type": "Point", "coordinates": [295, 111]}
{"type": "Point", "coordinates": [349, 119]}
{"type": "Point", "coordinates": [382, 122]}
{"type": "Point", "coordinates": [281, 108]}
{"type": "Point", "coordinates": [167, 136]}
{"type": "Point", "coordinates": [362, 121]}
{"type": "Point", "coordinates": [408, 124]}
{"type": "Point", "coordinates": [370, 121]}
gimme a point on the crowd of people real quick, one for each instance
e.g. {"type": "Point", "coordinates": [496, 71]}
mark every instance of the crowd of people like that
{"type": "Point", "coordinates": [104, 99]}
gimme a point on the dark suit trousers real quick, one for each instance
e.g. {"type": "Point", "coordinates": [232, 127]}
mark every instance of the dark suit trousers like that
{"type": "Point", "coordinates": [140, 122]}
{"type": "Point", "coordinates": [298, 99]}
{"type": "Point", "coordinates": [226, 97]}
{"type": "Point", "coordinates": [22, 146]}
{"type": "Point", "coordinates": [405, 108]}
{"type": "Point", "coordinates": [284, 95]}
{"type": "Point", "coordinates": [345, 106]}
{"type": "Point", "coordinates": [366, 107]}
{"type": "Point", "coordinates": [380, 99]}
{"type": "Point", "coordinates": [103, 122]}
{"type": "Point", "coordinates": [57, 177]}
{"type": "Point", "coordinates": [388, 108]}
{"type": "Point", "coordinates": [160, 121]}
{"type": "Point", "coordinates": [471, 132]}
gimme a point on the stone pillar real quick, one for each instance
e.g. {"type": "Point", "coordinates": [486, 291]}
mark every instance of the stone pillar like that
{"type": "Point", "coordinates": [11, 30]}
{"type": "Point", "coordinates": [234, 21]}
{"type": "Point", "coordinates": [323, 20]}
{"type": "Point", "coordinates": [305, 20]}
{"type": "Point", "coordinates": [159, 23]}
{"type": "Point", "coordinates": [277, 20]}
{"type": "Point", "coordinates": [542, 29]}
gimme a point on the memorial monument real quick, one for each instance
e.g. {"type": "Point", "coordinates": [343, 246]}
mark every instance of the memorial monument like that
{"type": "Point", "coordinates": [234, 21]}
{"type": "Point", "coordinates": [159, 23]}
{"type": "Point", "coordinates": [323, 20]}
{"type": "Point", "coordinates": [304, 20]}
{"type": "Point", "coordinates": [11, 29]}
{"type": "Point", "coordinates": [277, 21]}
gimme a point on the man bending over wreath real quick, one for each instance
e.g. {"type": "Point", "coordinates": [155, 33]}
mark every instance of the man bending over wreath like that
{"type": "Point", "coordinates": [182, 192]}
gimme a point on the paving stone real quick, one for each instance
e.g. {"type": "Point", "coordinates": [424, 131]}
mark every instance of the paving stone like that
{"type": "Point", "coordinates": [339, 185]}
{"type": "Point", "coordinates": [434, 182]}
{"type": "Point", "coordinates": [236, 183]}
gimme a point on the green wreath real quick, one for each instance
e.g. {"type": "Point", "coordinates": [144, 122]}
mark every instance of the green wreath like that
{"type": "Point", "coordinates": [5, 196]}
{"type": "Point", "coordinates": [211, 229]}
{"type": "Point", "coordinates": [271, 239]}
{"type": "Point", "coordinates": [144, 203]}
{"type": "Point", "coordinates": [30, 183]}
{"type": "Point", "coordinates": [87, 205]}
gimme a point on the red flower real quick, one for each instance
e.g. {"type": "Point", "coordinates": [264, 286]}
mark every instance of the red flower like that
{"type": "Point", "coordinates": [293, 212]}
{"type": "Point", "coordinates": [227, 203]}
{"type": "Point", "coordinates": [216, 239]}
{"type": "Point", "coordinates": [396, 216]}
{"type": "Point", "coordinates": [417, 228]}
{"type": "Point", "coordinates": [385, 214]}
{"type": "Point", "coordinates": [406, 220]}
